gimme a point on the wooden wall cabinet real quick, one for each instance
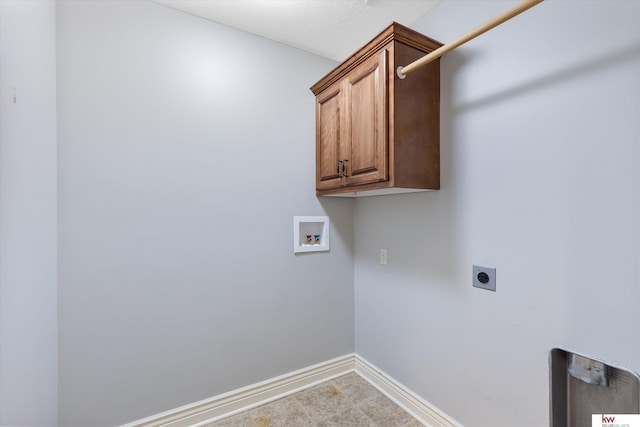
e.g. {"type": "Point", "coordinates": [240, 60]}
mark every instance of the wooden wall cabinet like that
{"type": "Point", "coordinates": [376, 133]}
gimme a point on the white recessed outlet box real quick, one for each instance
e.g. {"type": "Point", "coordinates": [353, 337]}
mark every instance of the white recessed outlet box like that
{"type": "Point", "coordinates": [310, 233]}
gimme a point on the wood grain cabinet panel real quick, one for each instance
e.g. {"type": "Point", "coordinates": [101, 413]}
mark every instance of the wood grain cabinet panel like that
{"type": "Point", "coordinates": [328, 135]}
{"type": "Point", "coordinates": [365, 144]}
{"type": "Point", "coordinates": [377, 133]}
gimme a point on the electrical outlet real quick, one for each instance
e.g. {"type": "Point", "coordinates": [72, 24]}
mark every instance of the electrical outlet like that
{"type": "Point", "coordinates": [383, 256]}
{"type": "Point", "coordinates": [484, 278]}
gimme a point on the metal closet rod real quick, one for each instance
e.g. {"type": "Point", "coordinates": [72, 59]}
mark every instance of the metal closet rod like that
{"type": "Point", "coordinates": [514, 11]}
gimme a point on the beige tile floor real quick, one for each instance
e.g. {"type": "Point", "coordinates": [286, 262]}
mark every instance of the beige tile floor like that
{"type": "Point", "coordinates": [346, 401]}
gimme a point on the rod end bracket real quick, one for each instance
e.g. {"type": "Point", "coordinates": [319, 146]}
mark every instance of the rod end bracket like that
{"type": "Point", "coordinates": [400, 74]}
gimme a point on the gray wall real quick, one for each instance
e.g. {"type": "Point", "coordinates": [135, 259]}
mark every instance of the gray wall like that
{"type": "Point", "coordinates": [179, 177]}
{"type": "Point", "coordinates": [540, 151]}
{"type": "Point", "coordinates": [185, 150]}
{"type": "Point", "coordinates": [28, 271]}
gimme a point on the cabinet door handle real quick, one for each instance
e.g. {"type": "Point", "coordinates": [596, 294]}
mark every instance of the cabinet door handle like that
{"type": "Point", "coordinates": [344, 168]}
{"type": "Point", "coordinates": [338, 167]}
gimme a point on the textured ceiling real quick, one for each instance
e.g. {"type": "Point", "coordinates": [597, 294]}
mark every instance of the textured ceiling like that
{"type": "Point", "coordinates": [330, 28]}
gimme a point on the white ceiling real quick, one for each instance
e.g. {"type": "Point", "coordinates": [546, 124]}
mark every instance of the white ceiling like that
{"type": "Point", "coordinates": [330, 28]}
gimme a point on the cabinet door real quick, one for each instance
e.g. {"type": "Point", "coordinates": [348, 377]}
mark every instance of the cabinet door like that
{"type": "Point", "coordinates": [365, 145]}
{"type": "Point", "coordinates": [328, 136]}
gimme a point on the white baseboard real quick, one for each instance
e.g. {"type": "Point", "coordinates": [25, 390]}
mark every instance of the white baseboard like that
{"type": "Point", "coordinates": [419, 408]}
{"type": "Point", "coordinates": [206, 411]}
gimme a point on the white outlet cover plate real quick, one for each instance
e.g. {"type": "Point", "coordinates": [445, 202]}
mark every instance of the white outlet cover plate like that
{"type": "Point", "coordinates": [383, 257]}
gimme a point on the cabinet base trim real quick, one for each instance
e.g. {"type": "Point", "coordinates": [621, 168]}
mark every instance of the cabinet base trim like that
{"type": "Point", "coordinates": [379, 192]}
